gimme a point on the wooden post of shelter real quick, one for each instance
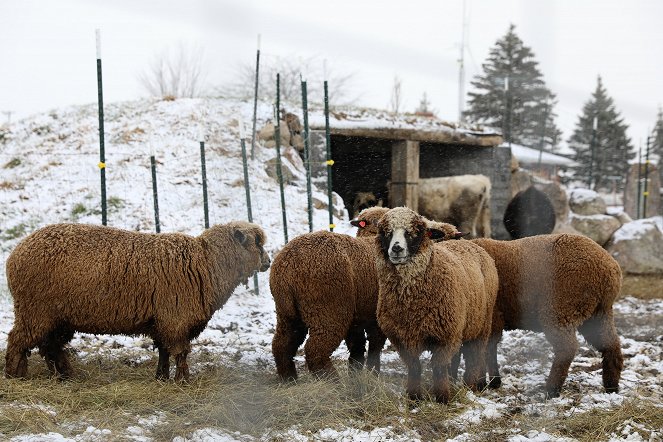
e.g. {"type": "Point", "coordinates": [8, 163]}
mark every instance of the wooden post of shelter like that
{"type": "Point", "coordinates": [404, 174]}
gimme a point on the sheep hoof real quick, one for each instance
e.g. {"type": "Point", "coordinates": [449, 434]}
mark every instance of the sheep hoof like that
{"type": "Point", "coordinates": [612, 389]}
{"type": "Point", "coordinates": [552, 393]}
{"type": "Point", "coordinates": [415, 397]}
{"type": "Point", "coordinates": [442, 398]}
{"type": "Point", "coordinates": [480, 386]}
{"type": "Point", "coordinates": [495, 382]}
{"type": "Point", "coordinates": [288, 379]}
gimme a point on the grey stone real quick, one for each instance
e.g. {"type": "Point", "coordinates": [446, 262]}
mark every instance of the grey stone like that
{"type": "Point", "coordinates": [638, 247]}
{"type": "Point", "coordinates": [586, 202]}
{"type": "Point", "coordinates": [597, 227]}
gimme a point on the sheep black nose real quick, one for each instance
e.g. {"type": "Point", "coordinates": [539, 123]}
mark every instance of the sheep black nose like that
{"type": "Point", "coordinates": [397, 248]}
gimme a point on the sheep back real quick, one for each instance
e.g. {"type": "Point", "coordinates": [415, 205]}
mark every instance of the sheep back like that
{"type": "Point", "coordinates": [324, 274]}
{"type": "Point", "coordinates": [563, 278]}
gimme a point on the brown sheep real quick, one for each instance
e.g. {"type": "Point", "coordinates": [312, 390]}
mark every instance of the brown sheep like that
{"type": "Point", "coordinates": [68, 278]}
{"type": "Point", "coordinates": [324, 284]}
{"type": "Point", "coordinates": [433, 297]}
{"type": "Point", "coordinates": [557, 284]}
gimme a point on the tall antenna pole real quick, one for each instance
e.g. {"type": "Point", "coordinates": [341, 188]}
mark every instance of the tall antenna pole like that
{"type": "Point", "coordinates": [461, 70]}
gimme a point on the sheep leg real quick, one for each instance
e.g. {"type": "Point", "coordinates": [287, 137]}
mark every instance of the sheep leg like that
{"type": "Point", "coordinates": [600, 332]}
{"type": "Point", "coordinates": [355, 340]}
{"type": "Point", "coordinates": [319, 347]}
{"type": "Point", "coordinates": [413, 364]}
{"type": "Point", "coordinates": [16, 358]}
{"type": "Point", "coordinates": [376, 340]}
{"type": "Point", "coordinates": [52, 349]}
{"type": "Point", "coordinates": [289, 335]}
{"type": "Point", "coordinates": [565, 346]}
{"type": "Point", "coordinates": [413, 388]}
{"type": "Point", "coordinates": [494, 377]}
{"type": "Point", "coordinates": [455, 364]}
{"type": "Point", "coordinates": [163, 366]}
{"type": "Point", "coordinates": [440, 362]}
{"type": "Point", "coordinates": [474, 353]}
{"type": "Point", "coordinates": [181, 366]}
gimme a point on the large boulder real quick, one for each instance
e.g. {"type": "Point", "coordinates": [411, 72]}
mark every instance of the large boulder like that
{"type": "Point", "coordinates": [638, 246]}
{"type": "Point", "coordinates": [597, 227]}
{"type": "Point", "coordinates": [558, 197]}
{"type": "Point", "coordinates": [323, 204]}
{"type": "Point", "coordinates": [586, 202]}
{"type": "Point", "coordinates": [292, 166]}
{"type": "Point", "coordinates": [520, 180]}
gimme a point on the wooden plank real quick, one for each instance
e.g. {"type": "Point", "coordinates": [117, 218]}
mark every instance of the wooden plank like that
{"type": "Point", "coordinates": [404, 174]}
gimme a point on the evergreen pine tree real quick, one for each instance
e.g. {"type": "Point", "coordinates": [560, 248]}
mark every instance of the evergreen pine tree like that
{"type": "Point", "coordinates": [657, 142]}
{"type": "Point", "coordinates": [511, 95]}
{"type": "Point", "coordinates": [424, 106]}
{"type": "Point", "coordinates": [602, 153]}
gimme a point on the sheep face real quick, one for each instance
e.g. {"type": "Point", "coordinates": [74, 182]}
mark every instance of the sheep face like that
{"type": "Point", "coordinates": [401, 232]}
{"type": "Point", "coordinates": [252, 240]}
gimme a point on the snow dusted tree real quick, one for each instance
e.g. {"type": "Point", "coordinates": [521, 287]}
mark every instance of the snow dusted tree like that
{"type": "Point", "coordinates": [175, 73]}
{"type": "Point", "coordinates": [511, 95]}
{"type": "Point", "coordinates": [612, 149]}
{"type": "Point", "coordinates": [292, 70]}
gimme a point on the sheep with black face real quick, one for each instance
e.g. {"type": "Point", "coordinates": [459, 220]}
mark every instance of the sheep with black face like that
{"type": "Point", "coordinates": [433, 297]}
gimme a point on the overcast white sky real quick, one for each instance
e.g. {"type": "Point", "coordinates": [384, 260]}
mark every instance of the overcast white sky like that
{"type": "Point", "coordinates": [47, 49]}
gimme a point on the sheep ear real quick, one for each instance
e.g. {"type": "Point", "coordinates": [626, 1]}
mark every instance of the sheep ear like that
{"type": "Point", "coordinates": [240, 237]}
{"type": "Point", "coordinates": [359, 224]}
{"type": "Point", "coordinates": [435, 234]}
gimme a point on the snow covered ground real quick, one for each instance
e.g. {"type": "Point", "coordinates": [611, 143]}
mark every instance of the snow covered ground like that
{"type": "Point", "coordinates": [49, 174]}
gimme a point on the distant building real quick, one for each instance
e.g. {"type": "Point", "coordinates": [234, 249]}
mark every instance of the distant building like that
{"type": "Point", "coordinates": [540, 163]}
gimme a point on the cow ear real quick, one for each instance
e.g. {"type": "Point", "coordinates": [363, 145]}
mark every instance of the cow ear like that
{"type": "Point", "coordinates": [359, 224]}
{"type": "Point", "coordinates": [435, 234]}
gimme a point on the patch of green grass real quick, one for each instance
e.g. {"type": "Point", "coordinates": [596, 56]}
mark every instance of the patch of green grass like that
{"type": "Point", "coordinates": [17, 231]}
{"type": "Point", "coordinates": [114, 203]}
{"type": "Point", "coordinates": [78, 210]}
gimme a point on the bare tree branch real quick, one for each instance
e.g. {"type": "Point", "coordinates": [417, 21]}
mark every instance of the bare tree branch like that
{"type": "Point", "coordinates": [177, 74]}
{"type": "Point", "coordinates": [292, 70]}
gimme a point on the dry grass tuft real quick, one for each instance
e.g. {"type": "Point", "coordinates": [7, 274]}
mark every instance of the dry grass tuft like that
{"type": "Point", "coordinates": [115, 393]}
